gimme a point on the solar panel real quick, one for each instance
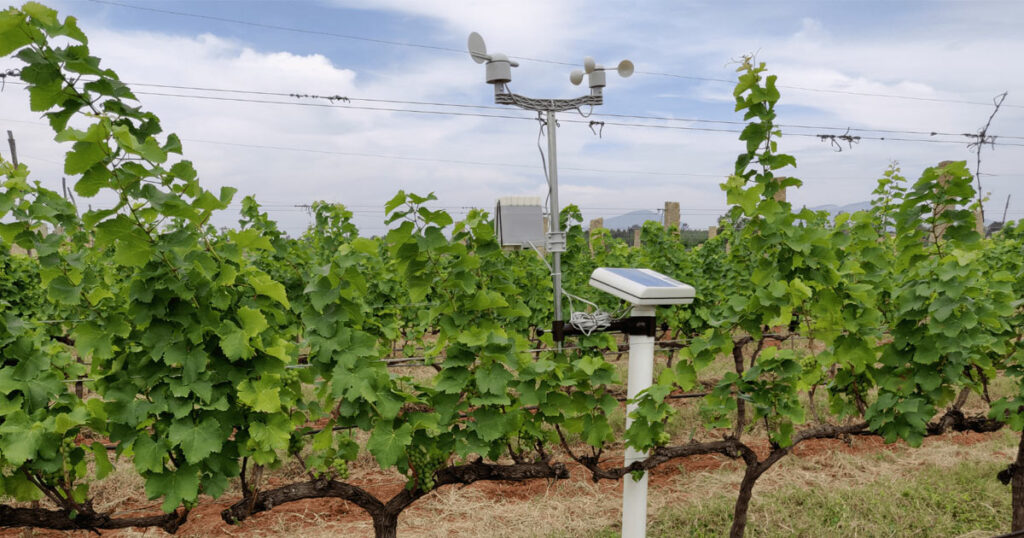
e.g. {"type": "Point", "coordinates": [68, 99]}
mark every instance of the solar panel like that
{"type": "Point", "coordinates": [641, 286]}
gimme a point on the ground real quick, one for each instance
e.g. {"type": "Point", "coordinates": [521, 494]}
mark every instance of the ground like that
{"type": "Point", "coordinates": [947, 487]}
{"type": "Point", "coordinates": [861, 487]}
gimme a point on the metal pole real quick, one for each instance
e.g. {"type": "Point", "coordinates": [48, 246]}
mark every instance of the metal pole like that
{"type": "Point", "coordinates": [14, 150]}
{"type": "Point", "coordinates": [556, 273]}
{"type": "Point", "coordinates": [640, 376]}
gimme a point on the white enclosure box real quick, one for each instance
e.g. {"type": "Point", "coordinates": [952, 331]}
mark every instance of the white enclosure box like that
{"type": "Point", "coordinates": [519, 221]}
{"type": "Point", "coordinates": [641, 286]}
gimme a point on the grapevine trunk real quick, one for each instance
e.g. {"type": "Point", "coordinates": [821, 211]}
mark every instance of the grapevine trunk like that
{"type": "Point", "coordinates": [385, 524]}
{"type": "Point", "coordinates": [739, 520]}
{"type": "Point", "coordinates": [1017, 488]}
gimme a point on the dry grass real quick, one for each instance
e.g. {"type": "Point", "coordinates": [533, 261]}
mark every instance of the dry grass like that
{"type": "Point", "coordinates": [122, 486]}
{"type": "Point", "coordinates": [924, 479]}
{"type": "Point", "coordinates": [943, 489]}
{"type": "Point", "coordinates": [821, 487]}
{"type": "Point", "coordinates": [580, 508]}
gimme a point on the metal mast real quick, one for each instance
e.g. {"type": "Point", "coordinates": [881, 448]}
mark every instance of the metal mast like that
{"type": "Point", "coordinates": [499, 73]}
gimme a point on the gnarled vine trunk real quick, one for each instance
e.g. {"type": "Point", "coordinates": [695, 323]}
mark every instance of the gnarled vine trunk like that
{"type": "Point", "coordinates": [1017, 488]}
{"type": "Point", "coordinates": [385, 524]}
{"type": "Point", "coordinates": [385, 515]}
{"type": "Point", "coordinates": [739, 516]}
{"type": "Point", "coordinates": [42, 518]}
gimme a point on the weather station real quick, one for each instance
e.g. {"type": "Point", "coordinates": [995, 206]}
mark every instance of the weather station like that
{"type": "Point", "coordinates": [499, 74]}
{"type": "Point", "coordinates": [516, 222]}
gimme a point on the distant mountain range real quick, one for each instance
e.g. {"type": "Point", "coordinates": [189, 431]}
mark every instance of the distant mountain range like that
{"type": "Point", "coordinates": [848, 208]}
{"type": "Point", "coordinates": [633, 218]}
{"type": "Point", "coordinates": [638, 218]}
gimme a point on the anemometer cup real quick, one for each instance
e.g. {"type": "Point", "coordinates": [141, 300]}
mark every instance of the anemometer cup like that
{"type": "Point", "coordinates": [625, 68]}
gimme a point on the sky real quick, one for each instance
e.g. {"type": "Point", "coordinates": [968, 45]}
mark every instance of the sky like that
{"type": "Point", "coordinates": [927, 67]}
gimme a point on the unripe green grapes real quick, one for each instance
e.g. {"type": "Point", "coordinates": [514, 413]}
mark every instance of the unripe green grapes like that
{"type": "Point", "coordinates": [295, 443]}
{"type": "Point", "coordinates": [340, 468]}
{"type": "Point", "coordinates": [424, 464]}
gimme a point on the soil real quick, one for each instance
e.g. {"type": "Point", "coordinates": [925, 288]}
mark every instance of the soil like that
{"type": "Point", "coordinates": [205, 519]}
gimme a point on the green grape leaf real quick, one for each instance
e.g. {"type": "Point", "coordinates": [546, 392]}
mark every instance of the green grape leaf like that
{"type": "Point", "coordinates": [12, 37]}
{"type": "Point", "coordinates": [253, 321]}
{"type": "Point", "coordinates": [197, 441]}
{"type": "Point", "coordinates": [19, 443]}
{"type": "Point", "coordinates": [493, 379]}
{"type": "Point", "coordinates": [264, 285]}
{"type": "Point", "coordinates": [177, 486]}
{"type": "Point", "coordinates": [262, 394]}
{"type": "Point", "coordinates": [251, 238]}
{"type": "Point", "coordinates": [61, 290]}
{"type": "Point", "coordinates": [233, 341]}
{"type": "Point", "coordinates": [272, 434]}
{"type": "Point", "coordinates": [489, 423]}
{"type": "Point", "coordinates": [90, 339]}
{"type": "Point", "coordinates": [83, 156]}
{"type": "Point", "coordinates": [45, 15]}
{"type": "Point", "coordinates": [387, 444]}
{"type": "Point", "coordinates": [103, 465]}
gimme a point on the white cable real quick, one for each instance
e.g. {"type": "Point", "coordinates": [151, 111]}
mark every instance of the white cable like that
{"type": "Point", "coordinates": [541, 256]}
{"type": "Point", "coordinates": [588, 322]}
{"type": "Point", "coordinates": [543, 162]}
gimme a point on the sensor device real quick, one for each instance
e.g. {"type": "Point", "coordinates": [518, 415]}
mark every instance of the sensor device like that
{"type": "Point", "coordinates": [519, 221]}
{"type": "Point", "coordinates": [641, 286]}
{"type": "Point", "coordinates": [645, 289]}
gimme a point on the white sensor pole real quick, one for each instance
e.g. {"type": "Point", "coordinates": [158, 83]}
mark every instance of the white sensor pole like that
{"type": "Point", "coordinates": [645, 289]}
{"type": "Point", "coordinates": [640, 377]}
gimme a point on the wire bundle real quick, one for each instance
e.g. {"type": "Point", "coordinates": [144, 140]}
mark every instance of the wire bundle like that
{"type": "Point", "coordinates": [590, 322]}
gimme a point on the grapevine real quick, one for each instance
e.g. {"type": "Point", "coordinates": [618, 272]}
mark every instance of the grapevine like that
{"type": "Point", "coordinates": [215, 356]}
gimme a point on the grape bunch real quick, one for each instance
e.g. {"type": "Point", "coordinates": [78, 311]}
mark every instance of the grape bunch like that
{"type": "Point", "coordinates": [424, 463]}
{"type": "Point", "coordinates": [296, 442]}
{"type": "Point", "coordinates": [340, 468]}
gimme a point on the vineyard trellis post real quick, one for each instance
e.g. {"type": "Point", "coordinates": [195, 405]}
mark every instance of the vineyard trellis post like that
{"type": "Point", "coordinates": [671, 216]}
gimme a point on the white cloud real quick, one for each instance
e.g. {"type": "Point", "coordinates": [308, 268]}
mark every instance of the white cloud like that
{"type": "Point", "coordinates": [811, 52]}
{"type": "Point", "coordinates": [514, 27]}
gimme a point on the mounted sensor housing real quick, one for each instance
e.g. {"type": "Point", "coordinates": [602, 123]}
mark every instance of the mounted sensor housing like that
{"type": "Point", "coordinates": [519, 221]}
{"type": "Point", "coordinates": [641, 286]}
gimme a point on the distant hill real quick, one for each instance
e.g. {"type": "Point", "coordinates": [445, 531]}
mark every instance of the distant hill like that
{"type": "Point", "coordinates": [638, 218]}
{"type": "Point", "coordinates": [855, 207]}
{"type": "Point", "coordinates": [848, 208]}
{"type": "Point", "coordinates": [633, 218]}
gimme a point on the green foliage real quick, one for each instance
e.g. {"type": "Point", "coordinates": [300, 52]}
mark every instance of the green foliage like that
{"type": "Point", "coordinates": [1004, 262]}
{"type": "Point", "coordinates": [213, 352]}
{"type": "Point", "coordinates": [907, 320]}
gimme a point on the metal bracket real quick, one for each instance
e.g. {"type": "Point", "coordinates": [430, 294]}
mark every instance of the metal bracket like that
{"type": "Point", "coordinates": [556, 105]}
{"type": "Point", "coordinates": [555, 242]}
{"type": "Point", "coordinates": [640, 325]}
